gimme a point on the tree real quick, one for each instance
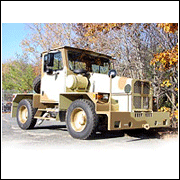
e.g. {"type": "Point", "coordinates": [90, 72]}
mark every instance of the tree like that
{"type": "Point", "coordinates": [133, 45]}
{"type": "Point", "coordinates": [166, 70]}
{"type": "Point", "coordinates": [18, 75]}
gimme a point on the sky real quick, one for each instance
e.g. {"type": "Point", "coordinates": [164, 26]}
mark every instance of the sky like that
{"type": "Point", "coordinates": [12, 35]}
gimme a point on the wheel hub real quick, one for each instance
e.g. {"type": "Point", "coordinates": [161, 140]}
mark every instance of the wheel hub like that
{"type": "Point", "coordinates": [23, 114]}
{"type": "Point", "coordinates": [78, 119]}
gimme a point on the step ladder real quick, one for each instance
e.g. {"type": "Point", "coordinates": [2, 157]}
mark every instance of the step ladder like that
{"type": "Point", "coordinates": [47, 112]}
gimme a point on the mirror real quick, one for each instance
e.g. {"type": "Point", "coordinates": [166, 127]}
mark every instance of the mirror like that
{"type": "Point", "coordinates": [50, 59]}
{"type": "Point", "coordinates": [48, 63]}
{"type": "Point", "coordinates": [49, 71]}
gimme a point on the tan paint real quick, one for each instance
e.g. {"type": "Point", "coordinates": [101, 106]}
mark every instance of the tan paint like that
{"type": "Point", "coordinates": [65, 58]}
{"type": "Point", "coordinates": [16, 101]}
{"type": "Point", "coordinates": [78, 119]}
{"type": "Point", "coordinates": [77, 49]}
{"type": "Point", "coordinates": [69, 72]}
{"type": "Point", "coordinates": [65, 99]}
{"type": "Point", "coordinates": [45, 99]}
{"type": "Point", "coordinates": [122, 82]}
{"type": "Point", "coordinates": [76, 82]}
{"type": "Point", "coordinates": [23, 114]}
{"type": "Point", "coordinates": [127, 120]}
{"type": "Point", "coordinates": [37, 103]}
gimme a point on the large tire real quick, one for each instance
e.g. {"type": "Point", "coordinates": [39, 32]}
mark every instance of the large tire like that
{"type": "Point", "coordinates": [37, 84]}
{"type": "Point", "coordinates": [25, 114]}
{"type": "Point", "coordinates": [81, 119]}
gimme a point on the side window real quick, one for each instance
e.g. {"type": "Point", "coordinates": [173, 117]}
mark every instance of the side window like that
{"type": "Point", "coordinates": [53, 61]}
{"type": "Point", "coordinates": [95, 68]}
{"type": "Point", "coordinates": [57, 65]}
{"type": "Point", "coordinates": [71, 65]}
{"type": "Point", "coordinates": [104, 69]}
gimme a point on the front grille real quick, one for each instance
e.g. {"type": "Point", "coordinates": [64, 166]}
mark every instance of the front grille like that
{"type": "Point", "coordinates": [146, 88]}
{"type": "Point", "coordinates": [138, 114]}
{"type": "Point", "coordinates": [145, 103]}
{"type": "Point", "coordinates": [137, 87]}
{"type": "Point", "coordinates": [137, 102]}
{"type": "Point", "coordinates": [148, 114]}
{"type": "Point", "coordinates": [141, 98]}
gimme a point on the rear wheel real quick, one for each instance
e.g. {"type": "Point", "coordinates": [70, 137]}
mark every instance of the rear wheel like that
{"type": "Point", "coordinates": [81, 119]}
{"type": "Point", "coordinates": [25, 114]}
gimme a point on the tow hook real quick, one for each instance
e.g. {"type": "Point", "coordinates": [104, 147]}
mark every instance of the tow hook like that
{"type": "Point", "coordinates": [146, 126]}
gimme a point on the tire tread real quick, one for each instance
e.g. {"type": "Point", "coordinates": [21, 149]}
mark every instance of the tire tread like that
{"type": "Point", "coordinates": [91, 106]}
{"type": "Point", "coordinates": [28, 102]}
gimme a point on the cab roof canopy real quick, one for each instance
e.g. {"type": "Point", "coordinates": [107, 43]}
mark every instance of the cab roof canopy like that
{"type": "Point", "coordinates": [78, 49]}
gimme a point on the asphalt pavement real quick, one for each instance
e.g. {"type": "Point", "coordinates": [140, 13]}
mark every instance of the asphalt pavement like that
{"type": "Point", "coordinates": [48, 151]}
{"type": "Point", "coordinates": [54, 133]}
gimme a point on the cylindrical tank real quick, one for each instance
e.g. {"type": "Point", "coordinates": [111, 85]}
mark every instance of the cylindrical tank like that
{"type": "Point", "coordinates": [76, 82]}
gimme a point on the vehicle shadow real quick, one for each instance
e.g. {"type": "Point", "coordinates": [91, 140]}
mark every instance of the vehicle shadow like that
{"type": "Point", "coordinates": [107, 135]}
{"type": "Point", "coordinates": [139, 134]}
{"type": "Point", "coordinates": [52, 127]}
{"type": "Point", "coordinates": [142, 134]}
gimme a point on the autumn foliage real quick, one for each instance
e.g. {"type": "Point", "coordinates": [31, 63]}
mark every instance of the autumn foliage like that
{"type": "Point", "coordinates": [168, 27]}
{"type": "Point", "coordinates": [92, 28]}
{"type": "Point", "coordinates": [167, 62]}
{"type": "Point", "coordinates": [167, 59]}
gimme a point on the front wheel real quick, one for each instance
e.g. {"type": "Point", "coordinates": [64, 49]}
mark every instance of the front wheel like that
{"type": "Point", "coordinates": [25, 114]}
{"type": "Point", "coordinates": [81, 119]}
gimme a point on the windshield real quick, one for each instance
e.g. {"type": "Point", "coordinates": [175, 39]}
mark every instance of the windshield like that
{"type": "Point", "coordinates": [90, 63]}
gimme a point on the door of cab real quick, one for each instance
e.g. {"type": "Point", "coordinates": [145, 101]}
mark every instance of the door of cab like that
{"type": "Point", "coordinates": [53, 78]}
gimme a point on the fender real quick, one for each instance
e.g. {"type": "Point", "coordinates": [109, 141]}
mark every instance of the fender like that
{"type": "Point", "coordinates": [17, 98]}
{"type": "Point", "coordinates": [65, 99]}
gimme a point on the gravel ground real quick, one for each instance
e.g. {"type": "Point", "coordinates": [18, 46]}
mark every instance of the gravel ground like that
{"type": "Point", "coordinates": [131, 150]}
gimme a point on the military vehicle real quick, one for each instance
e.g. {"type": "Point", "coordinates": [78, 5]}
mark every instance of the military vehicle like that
{"type": "Point", "coordinates": [81, 88]}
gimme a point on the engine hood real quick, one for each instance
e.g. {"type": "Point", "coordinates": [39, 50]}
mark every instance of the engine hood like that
{"type": "Point", "coordinates": [101, 83]}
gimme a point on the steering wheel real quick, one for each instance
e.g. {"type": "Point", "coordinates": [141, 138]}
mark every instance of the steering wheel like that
{"type": "Point", "coordinates": [80, 71]}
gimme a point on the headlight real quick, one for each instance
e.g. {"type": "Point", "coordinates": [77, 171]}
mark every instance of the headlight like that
{"type": "Point", "coordinates": [105, 96]}
{"type": "Point", "coordinates": [101, 96]}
